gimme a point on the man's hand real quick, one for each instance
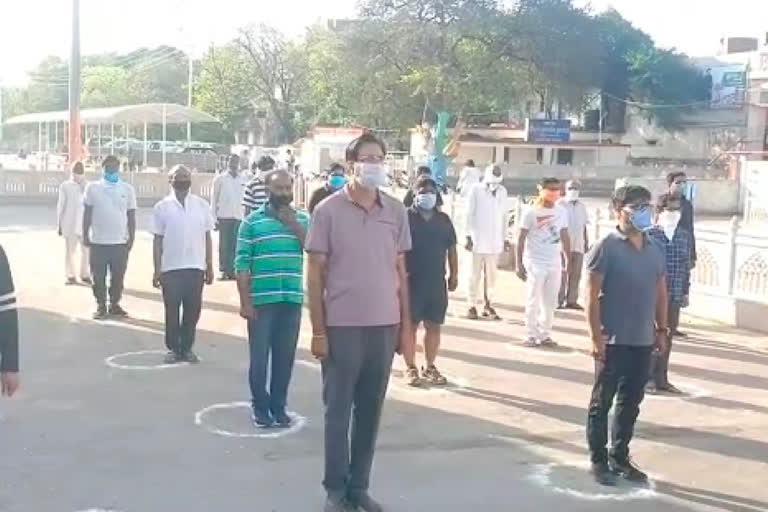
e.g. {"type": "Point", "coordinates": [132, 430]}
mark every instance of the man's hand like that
{"type": "Point", "coordinates": [406, 341]}
{"type": "Point", "coordinates": [60, 231]}
{"type": "Point", "coordinates": [453, 283]}
{"type": "Point", "coordinates": [209, 274]}
{"type": "Point", "coordinates": [216, 225]}
{"type": "Point", "coordinates": [469, 245]}
{"type": "Point", "coordinates": [248, 312]}
{"type": "Point", "coordinates": [661, 340]}
{"type": "Point", "coordinates": [286, 215]}
{"type": "Point", "coordinates": [507, 246]}
{"type": "Point", "coordinates": [10, 383]}
{"type": "Point", "coordinates": [693, 264]}
{"type": "Point", "coordinates": [129, 243]}
{"type": "Point", "coordinates": [521, 273]}
{"type": "Point", "coordinates": [598, 349]}
{"type": "Point", "coordinates": [86, 240]}
{"type": "Point", "coordinates": [319, 346]}
{"type": "Point", "coordinates": [156, 283]}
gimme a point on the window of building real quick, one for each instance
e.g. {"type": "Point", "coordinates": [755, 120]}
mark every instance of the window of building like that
{"type": "Point", "coordinates": [539, 155]}
{"type": "Point", "coordinates": [507, 152]}
{"type": "Point", "coordinates": [564, 156]}
{"type": "Point", "coordinates": [493, 155]}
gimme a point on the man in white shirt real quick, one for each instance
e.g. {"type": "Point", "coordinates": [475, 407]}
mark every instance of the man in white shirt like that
{"type": "Point", "coordinates": [578, 218]}
{"type": "Point", "coordinates": [228, 189]}
{"type": "Point", "coordinates": [542, 244]}
{"type": "Point", "coordinates": [70, 221]}
{"type": "Point", "coordinates": [109, 229]}
{"type": "Point", "coordinates": [470, 176]}
{"type": "Point", "coordinates": [486, 227]}
{"type": "Point", "coordinates": [182, 255]}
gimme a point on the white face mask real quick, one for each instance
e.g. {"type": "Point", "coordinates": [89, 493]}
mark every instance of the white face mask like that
{"type": "Point", "coordinates": [371, 175]}
{"type": "Point", "coordinates": [571, 194]}
{"type": "Point", "coordinates": [668, 221]}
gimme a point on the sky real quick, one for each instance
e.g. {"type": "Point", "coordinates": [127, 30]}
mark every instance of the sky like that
{"type": "Point", "coordinates": [33, 29]}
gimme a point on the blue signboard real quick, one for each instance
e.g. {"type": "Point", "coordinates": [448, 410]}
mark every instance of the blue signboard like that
{"type": "Point", "coordinates": [549, 130]}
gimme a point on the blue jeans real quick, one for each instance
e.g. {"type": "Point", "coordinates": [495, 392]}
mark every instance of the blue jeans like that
{"type": "Point", "coordinates": [275, 330]}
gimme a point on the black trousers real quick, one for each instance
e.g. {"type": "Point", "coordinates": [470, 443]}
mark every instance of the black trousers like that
{"type": "Point", "coordinates": [112, 259]}
{"type": "Point", "coordinates": [623, 375]}
{"type": "Point", "coordinates": [228, 229]}
{"type": "Point", "coordinates": [659, 371]}
{"type": "Point", "coordinates": [182, 289]}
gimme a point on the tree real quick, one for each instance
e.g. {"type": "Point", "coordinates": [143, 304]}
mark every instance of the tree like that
{"type": "Point", "coordinates": [223, 88]}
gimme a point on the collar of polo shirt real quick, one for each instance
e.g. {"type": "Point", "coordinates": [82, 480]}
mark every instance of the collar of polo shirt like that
{"type": "Point", "coordinates": [348, 196]}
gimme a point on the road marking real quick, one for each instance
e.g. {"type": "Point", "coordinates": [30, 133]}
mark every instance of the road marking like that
{"type": "Point", "coordinates": [112, 361]}
{"type": "Point", "coordinates": [542, 475]}
{"type": "Point", "coordinates": [297, 424]}
{"type": "Point", "coordinates": [558, 351]}
{"type": "Point", "coordinates": [690, 392]}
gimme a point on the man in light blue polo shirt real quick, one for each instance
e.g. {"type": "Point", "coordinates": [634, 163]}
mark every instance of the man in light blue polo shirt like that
{"type": "Point", "coordinates": [627, 314]}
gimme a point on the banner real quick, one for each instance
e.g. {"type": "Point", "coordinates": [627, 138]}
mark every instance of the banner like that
{"type": "Point", "coordinates": [548, 130]}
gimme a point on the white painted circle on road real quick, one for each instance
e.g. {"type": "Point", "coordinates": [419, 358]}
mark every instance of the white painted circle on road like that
{"type": "Point", "coordinates": [543, 476]}
{"type": "Point", "coordinates": [298, 422]}
{"type": "Point", "coordinates": [112, 361]}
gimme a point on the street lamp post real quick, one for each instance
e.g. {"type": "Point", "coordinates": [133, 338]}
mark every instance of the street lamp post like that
{"type": "Point", "coordinates": [75, 145]}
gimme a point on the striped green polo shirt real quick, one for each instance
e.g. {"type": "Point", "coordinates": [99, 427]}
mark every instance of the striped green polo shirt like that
{"type": "Point", "coordinates": [274, 257]}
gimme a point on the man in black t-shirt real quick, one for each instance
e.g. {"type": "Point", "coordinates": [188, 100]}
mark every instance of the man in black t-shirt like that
{"type": "Point", "coordinates": [9, 331]}
{"type": "Point", "coordinates": [434, 240]}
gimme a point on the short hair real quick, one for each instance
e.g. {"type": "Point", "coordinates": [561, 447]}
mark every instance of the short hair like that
{"type": "Point", "coordinates": [78, 167]}
{"type": "Point", "coordinates": [423, 170]}
{"type": "Point", "coordinates": [265, 163]}
{"type": "Point", "coordinates": [628, 194]}
{"type": "Point", "coordinates": [110, 159]}
{"type": "Point", "coordinates": [549, 181]}
{"type": "Point", "coordinates": [470, 163]}
{"type": "Point", "coordinates": [353, 149]}
{"type": "Point", "coordinates": [275, 173]}
{"type": "Point", "coordinates": [424, 179]}
{"type": "Point", "coordinates": [575, 183]}
{"type": "Point", "coordinates": [233, 157]}
{"type": "Point", "coordinates": [334, 166]}
{"type": "Point", "coordinates": [672, 176]}
{"type": "Point", "coordinates": [662, 203]}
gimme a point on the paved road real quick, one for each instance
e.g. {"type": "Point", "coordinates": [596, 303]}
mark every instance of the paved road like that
{"type": "Point", "coordinates": [506, 435]}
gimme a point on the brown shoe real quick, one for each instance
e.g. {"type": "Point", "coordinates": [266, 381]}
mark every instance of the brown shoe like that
{"type": "Point", "coordinates": [433, 376]}
{"type": "Point", "coordinates": [412, 377]}
{"type": "Point", "coordinates": [472, 313]}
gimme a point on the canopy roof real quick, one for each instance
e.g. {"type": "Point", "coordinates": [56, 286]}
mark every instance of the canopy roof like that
{"type": "Point", "coordinates": [138, 114]}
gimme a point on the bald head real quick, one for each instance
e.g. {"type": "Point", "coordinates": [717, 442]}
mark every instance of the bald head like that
{"type": "Point", "coordinates": [180, 178]}
{"type": "Point", "coordinates": [280, 188]}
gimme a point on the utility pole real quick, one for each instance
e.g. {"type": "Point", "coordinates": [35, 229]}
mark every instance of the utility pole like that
{"type": "Point", "coordinates": [75, 144]}
{"type": "Point", "coordinates": [189, 96]}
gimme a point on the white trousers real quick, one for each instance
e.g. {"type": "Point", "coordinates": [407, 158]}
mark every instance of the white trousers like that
{"type": "Point", "coordinates": [542, 289]}
{"type": "Point", "coordinates": [71, 244]}
{"type": "Point", "coordinates": [483, 270]}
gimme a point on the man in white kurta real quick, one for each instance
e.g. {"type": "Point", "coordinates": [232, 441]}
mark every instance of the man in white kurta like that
{"type": "Point", "coordinates": [486, 229]}
{"type": "Point", "coordinates": [70, 222]}
{"type": "Point", "coordinates": [470, 176]}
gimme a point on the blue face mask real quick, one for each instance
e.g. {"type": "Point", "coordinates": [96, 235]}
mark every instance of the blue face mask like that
{"type": "Point", "coordinates": [336, 181]}
{"type": "Point", "coordinates": [640, 218]}
{"type": "Point", "coordinates": [425, 201]}
{"type": "Point", "coordinates": [111, 176]}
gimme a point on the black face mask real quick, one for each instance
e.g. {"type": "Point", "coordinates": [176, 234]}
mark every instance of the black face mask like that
{"type": "Point", "coordinates": [181, 186]}
{"type": "Point", "coordinates": [279, 201]}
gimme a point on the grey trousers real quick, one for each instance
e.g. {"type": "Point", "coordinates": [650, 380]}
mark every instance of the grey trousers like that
{"type": "Point", "coordinates": [355, 378]}
{"type": "Point", "coordinates": [569, 289]}
{"type": "Point", "coordinates": [228, 229]}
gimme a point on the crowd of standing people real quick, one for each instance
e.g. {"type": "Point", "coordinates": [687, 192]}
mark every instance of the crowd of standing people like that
{"type": "Point", "coordinates": [377, 269]}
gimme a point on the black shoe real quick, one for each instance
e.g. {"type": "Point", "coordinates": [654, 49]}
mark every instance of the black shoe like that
{"type": "Point", "coordinates": [337, 503]}
{"type": "Point", "coordinates": [603, 474]}
{"type": "Point", "coordinates": [364, 502]}
{"type": "Point", "coordinates": [116, 310]}
{"type": "Point", "coordinates": [472, 313]}
{"type": "Point", "coordinates": [282, 420]}
{"type": "Point", "coordinates": [651, 388]}
{"type": "Point", "coordinates": [171, 357]}
{"type": "Point", "coordinates": [490, 313]}
{"type": "Point", "coordinates": [71, 281]}
{"type": "Point", "coordinates": [262, 419]}
{"type": "Point", "coordinates": [224, 277]}
{"type": "Point", "coordinates": [669, 388]}
{"type": "Point", "coordinates": [87, 280]}
{"type": "Point", "coordinates": [627, 469]}
{"type": "Point", "coordinates": [574, 307]}
{"type": "Point", "coordinates": [101, 313]}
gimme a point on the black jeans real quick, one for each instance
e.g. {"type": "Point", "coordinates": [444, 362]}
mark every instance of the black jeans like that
{"type": "Point", "coordinates": [623, 375]}
{"type": "Point", "coordinates": [355, 378]}
{"type": "Point", "coordinates": [228, 229]}
{"type": "Point", "coordinates": [272, 335]}
{"type": "Point", "coordinates": [182, 289]}
{"type": "Point", "coordinates": [112, 259]}
{"type": "Point", "coordinates": [659, 371]}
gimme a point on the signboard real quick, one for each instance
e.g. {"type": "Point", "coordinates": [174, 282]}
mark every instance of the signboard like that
{"type": "Point", "coordinates": [548, 130]}
{"type": "Point", "coordinates": [728, 86]}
